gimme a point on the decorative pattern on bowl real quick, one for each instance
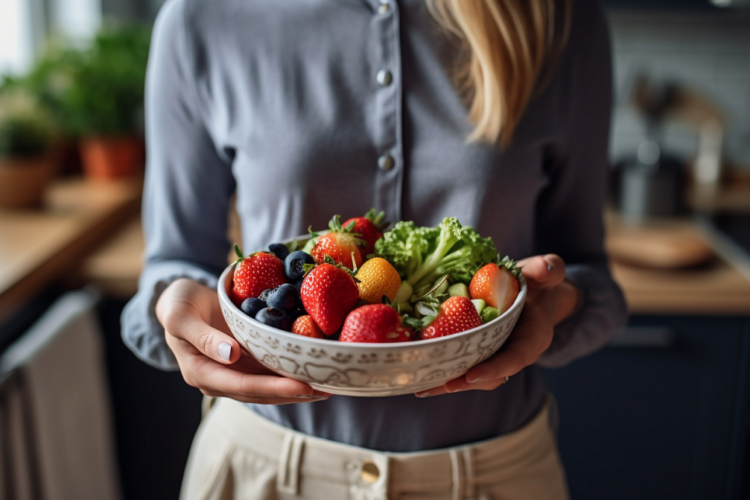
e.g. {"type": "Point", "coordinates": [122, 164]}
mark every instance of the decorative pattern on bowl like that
{"type": "Point", "coordinates": [358, 369]}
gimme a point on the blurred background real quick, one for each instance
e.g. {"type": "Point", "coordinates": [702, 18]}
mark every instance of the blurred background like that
{"type": "Point", "coordinates": [662, 412]}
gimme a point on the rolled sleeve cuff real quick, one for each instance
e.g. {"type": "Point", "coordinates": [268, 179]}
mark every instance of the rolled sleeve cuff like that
{"type": "Point", "coordinates": [600, 314]}
{"type": "Point", "coordinates": [141, 330]}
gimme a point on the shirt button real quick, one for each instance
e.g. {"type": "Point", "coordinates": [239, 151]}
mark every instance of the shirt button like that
{"type": "Point", "coordinates": [386, 162]}
{"type": "Point", "coordinates": [370, 472]}
{"type": "Point", "coordinates": [384, 8]}
{"type": "Point", "coordinates": [384, 77]}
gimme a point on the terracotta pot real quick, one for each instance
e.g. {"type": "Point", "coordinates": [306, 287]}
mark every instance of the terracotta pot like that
{"type": "Point", "coordinates": [24, 180]}
{"type": "Point", "coordinates": [106, 158]}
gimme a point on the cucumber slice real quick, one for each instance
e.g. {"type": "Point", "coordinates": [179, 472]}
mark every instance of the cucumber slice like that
{"type": "Point", "coordinates": [403, 294]}
{"type": "Point", "coordinates": [479, 304]}
{"type": "Point", "coordinates": [459, 290]}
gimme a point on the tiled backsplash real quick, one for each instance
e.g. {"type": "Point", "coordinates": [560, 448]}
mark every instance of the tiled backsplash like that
{"type": "Point", "coordinates": [707, 52]}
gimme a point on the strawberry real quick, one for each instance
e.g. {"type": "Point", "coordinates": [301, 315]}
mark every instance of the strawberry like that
{"type": "Point", "coordinates": [255, 273]}
{"type": "Point", "coordinates": [497, 285]}
{"type": "Point", "coordinates": [328, 293]}
{"type": "Point", "coordinates": [341, 244]}
{"type": "Point", "coordinates": [377, 277]}
{"type": "Point", "coordinates": [305, 326]}
{"type": "Point", "coordinates": [370, 228]}
{"type": "Point", "coordinates": [457, 314]}
{"type": "Point", "coordinates": [376, 323]}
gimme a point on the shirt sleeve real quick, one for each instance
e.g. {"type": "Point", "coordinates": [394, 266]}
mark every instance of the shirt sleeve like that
{"type": "Point", "coordinates": [187, 189]}
{"type": "Point", "coordinates": [569, 211]}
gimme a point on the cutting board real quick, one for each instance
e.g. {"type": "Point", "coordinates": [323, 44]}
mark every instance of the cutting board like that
{"type": "Point", "coordinates": [666, 244]}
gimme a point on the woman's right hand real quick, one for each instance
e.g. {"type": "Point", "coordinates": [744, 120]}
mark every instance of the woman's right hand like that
{"type": "Point", "coordinates": [211, 359]}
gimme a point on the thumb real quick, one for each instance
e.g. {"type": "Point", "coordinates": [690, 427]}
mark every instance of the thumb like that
{"type": "Point", "coordinates": [190, 327]}
{"type": "Point", "coordinates": [545, 271]}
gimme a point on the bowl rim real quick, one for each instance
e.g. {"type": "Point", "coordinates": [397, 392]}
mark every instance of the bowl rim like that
{"type": "Point", "coordinates": [224, 300]}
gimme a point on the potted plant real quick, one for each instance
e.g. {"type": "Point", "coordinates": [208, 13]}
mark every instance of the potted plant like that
{"type": "Point", "coordinates": [49, 82]}
{"type": "Point", "coordinates": [26, 165]}
{"type": "Point", "coordinates": [102, 101]}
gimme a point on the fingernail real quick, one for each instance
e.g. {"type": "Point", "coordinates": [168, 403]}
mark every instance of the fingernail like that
{"type": "Point", "coordinates": [425, 394]}
{"type": "Point", "coordinates": [225, 351]}
{"type": "Point", "coordinates": [550, 267]}
{"type": "Point", "coordinates": [313, 397]}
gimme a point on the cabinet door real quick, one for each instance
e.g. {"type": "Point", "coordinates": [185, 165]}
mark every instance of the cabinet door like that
{"type": "Point", "coordinates": [660, 414]}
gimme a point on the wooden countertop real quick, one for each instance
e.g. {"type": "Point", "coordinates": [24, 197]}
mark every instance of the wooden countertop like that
{"type": "Point", "coordinates": [713, 288]}
{"type": "Point", "coordinates": [39, 247]}
{"type": "Point", "coordinates": [682, 269]}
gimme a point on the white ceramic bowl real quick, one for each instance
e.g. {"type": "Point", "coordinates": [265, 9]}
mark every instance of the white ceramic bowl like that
{"type": "Point", "coordinates": [360, 369]}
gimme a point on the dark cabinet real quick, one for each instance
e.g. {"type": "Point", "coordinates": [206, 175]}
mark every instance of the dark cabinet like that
{"type": "Point", "coordinates": [661, 413]}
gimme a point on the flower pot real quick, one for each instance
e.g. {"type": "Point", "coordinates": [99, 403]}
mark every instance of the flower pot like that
{"type": "Point", "coordinates": [107, 158]}
{"type": "Point", "coordinates": [24, 180]}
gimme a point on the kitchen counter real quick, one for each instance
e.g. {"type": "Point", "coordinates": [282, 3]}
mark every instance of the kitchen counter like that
{"type": "Point", "coordinates": [39, 247]}
{"type": "Point", "coordinates": [664, 281]}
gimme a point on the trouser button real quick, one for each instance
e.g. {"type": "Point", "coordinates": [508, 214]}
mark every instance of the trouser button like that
{"type": "Point", "coordinates": [370, 472]}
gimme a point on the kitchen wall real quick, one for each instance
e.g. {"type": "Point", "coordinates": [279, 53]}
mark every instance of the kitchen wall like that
{"type": "Point", "coordinates": [710, 52]}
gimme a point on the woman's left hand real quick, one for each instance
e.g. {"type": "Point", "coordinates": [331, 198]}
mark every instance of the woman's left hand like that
{"type": "Point", "coordinates": [549, 300]}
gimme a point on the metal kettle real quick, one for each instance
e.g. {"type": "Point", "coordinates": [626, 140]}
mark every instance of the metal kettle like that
{"type": "Point", "coordinates": [652, 185]}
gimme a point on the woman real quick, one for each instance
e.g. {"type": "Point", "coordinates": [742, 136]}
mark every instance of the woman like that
{"type": "Point", "coordinates": [311, 108]}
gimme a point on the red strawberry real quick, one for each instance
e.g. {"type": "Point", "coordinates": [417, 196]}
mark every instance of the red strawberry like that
{"type": "Point", "coordinates": [328, 293]}
{"type": "Point", "coordinates": [305, 326]}
{"type": "Point", "coordinates": [496, 285]}
{"type": "Point", "coordinates": [369, 227]}
{"type": "Point", "coordinates": [377, 323]}
{"type": "Point", "coordinates": [457, 314]}
{"type": "Point", "coordinates": [255, 273]}
{"type": "Point", "coordinates": [340, 244]}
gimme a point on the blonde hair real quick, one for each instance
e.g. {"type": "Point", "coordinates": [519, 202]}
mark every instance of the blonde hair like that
{"type": "Point", "coordinates": [511, 45]}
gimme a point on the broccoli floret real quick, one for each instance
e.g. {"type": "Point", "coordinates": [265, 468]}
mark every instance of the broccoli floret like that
{"type": "Point", "coordinates": [423, 254]}
{"type": "Point", "coordinates": [449, 235]}
{"type": "Point", "coordinates": [488, 314]}
{"type": "Point", "coordinates": [404, 245]}
{"type": "Point", "coordinates": [461, 251]}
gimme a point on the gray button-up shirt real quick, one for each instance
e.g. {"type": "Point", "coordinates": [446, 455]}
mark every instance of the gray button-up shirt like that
{"type": "Point", "coordinates": [312, 108]}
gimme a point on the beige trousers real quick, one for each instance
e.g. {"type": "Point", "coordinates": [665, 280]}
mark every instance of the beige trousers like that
{"type": "Point", "coordinates": [238, 454]}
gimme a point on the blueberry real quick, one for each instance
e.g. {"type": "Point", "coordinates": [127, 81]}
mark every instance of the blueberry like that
{"type": "Point", "coordinates": [297, 313]}
{"type": "Point", "coordinates": [279, 250]}
{"type": "Point", "coordinates": [275, 318]}
{"type": "Point", "coordinates": [294, 264]}
{"type": "Point", "coordinates": [265, 293]}
{"type": "Point", "coordinates": [298, 284]}
{"type": "Point", "coordinates": [251, 306]}
{"type": "Point", "coordinates": [285, 297]}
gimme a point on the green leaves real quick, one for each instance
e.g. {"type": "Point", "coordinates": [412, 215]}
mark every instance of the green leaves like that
{"type": "Point", "coordinates": [23, 136]}
{"type": "Point", "coordinates": [96, 89]}
{"type": "Point", "coordinates": [421, 254]}
{"type": "Point", "coordinates": [405, 245]}
{"type": "Point", "coordinates": [238, 252]}
{"type": "Point", "coordinates": [509, 264]}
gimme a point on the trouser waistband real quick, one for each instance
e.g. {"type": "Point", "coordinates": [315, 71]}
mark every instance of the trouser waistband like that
{"type": "Point", "coordinates": [370, 474]}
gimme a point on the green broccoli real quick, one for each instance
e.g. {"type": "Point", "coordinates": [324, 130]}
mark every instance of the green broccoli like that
{"type": "Point", "coordinates": [488, 314]}
{"type": "Point", "coordinates": [422, 254]}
